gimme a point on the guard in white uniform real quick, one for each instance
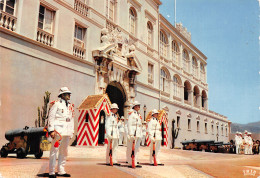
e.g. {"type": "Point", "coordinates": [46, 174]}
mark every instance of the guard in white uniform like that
{"type": "Point", "coordinates": [121, 127]}
{"type": "Point", "coordinates": [250, 143]}
{"type": "Point", "coordinates": [60, 120]}
{"type": "Point", "coordinates": [143, 133]}
{"type": "Point", "coordinates": [112, 133]}
{"type": "Point", "coordinates": [246, 142]}
{"type": "Point", "coordinates": [237, 142]}
{"type": "Point", "coordinates": [155, 135]}
{"type": "Point", "coordinates": [134, 132]}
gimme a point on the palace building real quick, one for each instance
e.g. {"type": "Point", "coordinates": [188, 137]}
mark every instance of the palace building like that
{"type": "Point", "coordinates": [124, 48]}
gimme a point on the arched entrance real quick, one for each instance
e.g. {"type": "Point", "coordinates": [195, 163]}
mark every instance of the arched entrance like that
{"type": "Point", "coordinates": [101, 131]}
{"type": "Point", "coordinates": [117, 95]}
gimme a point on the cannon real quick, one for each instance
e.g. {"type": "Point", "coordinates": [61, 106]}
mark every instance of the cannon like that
{"type": "Point", "coordinates": [23, 142]}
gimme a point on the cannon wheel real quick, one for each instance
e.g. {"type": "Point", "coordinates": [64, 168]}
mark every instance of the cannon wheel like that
{"type": "Point", "coordinates": [4, 152]}
{"type": "Point", "coordinates": [21, 153]}
{"type": "Point", "coordinates": [38, 155]}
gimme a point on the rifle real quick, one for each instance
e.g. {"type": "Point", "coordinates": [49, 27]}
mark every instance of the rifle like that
{"type": "Point", "coordinates": [154, 157]}
{"type": "Point", "coordinates": [133, 149]}
{"type": "Point", "coordinates": [110, 151]}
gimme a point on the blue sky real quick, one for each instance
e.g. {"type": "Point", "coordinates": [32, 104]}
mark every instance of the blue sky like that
{"type": "Point", "coordinates": [227, 32]}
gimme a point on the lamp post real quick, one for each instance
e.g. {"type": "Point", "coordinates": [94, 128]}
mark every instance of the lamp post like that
{"type": "Point", "coordinates": [144, 108]}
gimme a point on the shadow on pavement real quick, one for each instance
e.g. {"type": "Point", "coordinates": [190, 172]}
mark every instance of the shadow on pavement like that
{"type": "Point", "coordinates": [43, 175]}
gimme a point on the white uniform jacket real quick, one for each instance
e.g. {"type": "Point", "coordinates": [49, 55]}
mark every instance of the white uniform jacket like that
{"type": "Point", "coordinates": [134, 124]}
{"type": "Point", "coordinates": [121, 126]}
{"type": "Point", "coordinates": [154, 129]}
{"type": "Point", "coordinates": [112, 125]}
{"type": "Point", "coordinates": [61, 118]}
{"type": "Point", "coordinates": [144, 130]}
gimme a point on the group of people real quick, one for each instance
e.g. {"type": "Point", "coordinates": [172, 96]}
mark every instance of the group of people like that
{"type": "Point", "coordinates": [60, 127]}
{"type": "Point", "coordinates": [133, 131]}
{"type": "Point", "coordinates": [246, 145]}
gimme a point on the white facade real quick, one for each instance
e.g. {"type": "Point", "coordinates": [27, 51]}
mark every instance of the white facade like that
{"type": "Point", "coordinates": [46, 44]}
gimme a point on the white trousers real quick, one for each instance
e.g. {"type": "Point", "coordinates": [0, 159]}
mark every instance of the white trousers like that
{"type": "Point", "coordinates": [143, 140]}
{"type": "Point", "coordinates": [246, 149]}
{"type": "Point", "coordinates": [237, 149]}
{"type": "Point", "coordinates": [137, 149]}
{"type": "Point", "coordinates": [125, 139]}
{"type": "Point", "coordinates": [114, 150]}
{"type": "Point", "coordinates": [121, 138]}
{"type": "Point", "coordinates": [157, 151]}
{"type": "Point", "coordinates": [250, 151]}
{"type": "Point", "coordinates": [63, 152]}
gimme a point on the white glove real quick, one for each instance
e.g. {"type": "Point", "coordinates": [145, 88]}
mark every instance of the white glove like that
{"type": "Point", "coordinates": [110, 137]}
{"type": "Point", "coordinates": [128, 137]}
{"type": "Point", "coordinates": [132, 137]}
{"type": "Point", "coordinates": [152, 139]}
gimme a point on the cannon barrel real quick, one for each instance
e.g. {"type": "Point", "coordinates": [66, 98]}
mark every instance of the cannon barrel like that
{"type": "Point", "coordinates": [9, 135]}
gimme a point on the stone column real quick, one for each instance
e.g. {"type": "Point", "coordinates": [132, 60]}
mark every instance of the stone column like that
{"type": "Point", "coordinates": [198, 72]}
{"type": "Point", "coordinates": [180, 57]}
{"type": "Point", "coordinates": [190, 97]}
{"type": "Point", "coordinates": [199, 100]}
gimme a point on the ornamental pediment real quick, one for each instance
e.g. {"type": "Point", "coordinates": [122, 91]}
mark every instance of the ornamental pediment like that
{"type": "Point", "coordinates": [116, 48]}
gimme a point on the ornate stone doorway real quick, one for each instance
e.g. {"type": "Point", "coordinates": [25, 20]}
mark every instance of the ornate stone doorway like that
{"type": "Point", "coordinates": [117, 95]}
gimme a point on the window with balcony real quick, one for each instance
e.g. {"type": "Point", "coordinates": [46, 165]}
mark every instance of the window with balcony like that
{"type": "Point", "coordinates": [79, 42]}
{"type": "Point", "coordinates": [7, 14]}
{"type": "Point", "coordinates": [110, 9]}
{"type": "Point", "coordinates": [176, 86]}
{"type": "Point", "coordinates": [45, 26]}
{"type": "Point", "coordinates": [150, 73]}
{"type": "Point", "coordinates": [194, 67]}
{"type": "Point", "coordinates": [165, 80]}
{"type": "Point", "coordinates": [202, 72]}
{"type": "Point", "coordinates": [175, 53]}
{"type": "Point", "coordinates": [185, 60]}
{"type": "Point", "coordinates": [132, 21]}
{"type": "Point", "coordinates": [198, 126]}
{"type": "Point", "coordinates": [163, 44]}
{"type": "Point", "coordinates": [150, 34]}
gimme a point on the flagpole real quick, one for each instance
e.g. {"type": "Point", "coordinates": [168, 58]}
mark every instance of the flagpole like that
{"type": "Point", "coordinates": [175, 13]}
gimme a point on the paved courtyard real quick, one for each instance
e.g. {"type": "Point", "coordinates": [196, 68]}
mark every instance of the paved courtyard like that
{"type": "Point", "coordinates": [90, 162]}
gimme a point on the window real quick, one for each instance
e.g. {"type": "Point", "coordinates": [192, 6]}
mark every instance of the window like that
{"type": "Point", "coordinates": [226, 132]}
{"type": "Point", "coordinates": [194, 67]}
{"type": "Point", "coordinates": [164, 81]}
{"type": "Point", "coordinates": [163, 44]}
{"type": "Point", "coordinates": [176, 87]}
{"type": "Point", "coordinates": [150, 73]}
{"type": "Point", "coordinates": [87, 117]}
{"type": "Point", "coordinates": [175, 51]}
{"type": "Point", "coordinates": [202, 71]}
{"type": "Point", "coordinates": [178, 121]}
{"type": "Point", "coordinates": [132, 21]}
{"type": "Point", "coordinates": [222, 131]}
{"type": "Point", "coordinates": [206, 128]}
{"type": "Point", "coordinates": [150, 34]}
{"type": "Point", "coordinates": [217, 130]}
{"type": "Point", "coordinates": [189, 126]}
{"type": "Point", "coordinates": [78, 33]}
{"type": "Point", "coordinates": [198, 126]}
{"type": "Point", "coordinates": [45, 21]}
{"type": "Point", "coordinates": [212, 129]}
{"type": "Point", "coordinates": [8, 6]}
{"type": "Point", "coordinates": [110, 9]}
{"type": "Point", "coordinates": [185, 60]}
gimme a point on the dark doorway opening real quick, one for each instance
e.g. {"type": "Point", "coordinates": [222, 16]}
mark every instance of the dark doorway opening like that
{"type": "Point", "coordinates": [101, 131]}
{"type": "Point", "coordinates": [162, 134]}
{"type": "Point", "coordinates": [116, 95]}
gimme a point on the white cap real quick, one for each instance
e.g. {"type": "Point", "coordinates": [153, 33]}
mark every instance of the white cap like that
{"type": "Point", "coordinates": [122, 118]}
{"type": "Point", "coordinates": [135, 103]}
{"type": "Point", "coordinates": [240, 133]}
{"type": "Point", "coordinates": [237, 132]}
{"type": "Point", "coordinates": [114, 106]}
{"type": "Point", "coordinates": [64, 90]}
{"type": "Point", "coordinates": [155, 112]}
{"type": "Point", "coordinates": [144, 122]}
{"type": "Point", "coordinates": [245, 131]}
{"type": "Point", "coordinates": [249, 133]}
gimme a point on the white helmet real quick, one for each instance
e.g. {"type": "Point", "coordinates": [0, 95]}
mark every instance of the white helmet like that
{"type": "Point", "coordinates": [249, 133]}
{"type": "Point", "coordinates": [114, 106]}
{"type": "Point", "coordinates": [135, 103]}
{"type": "Point", "coordinates": [155, 112]}
{"type": "Point", "coordinates": [64, 90]}
{"type": "Point", "coordinates": [122, 118]}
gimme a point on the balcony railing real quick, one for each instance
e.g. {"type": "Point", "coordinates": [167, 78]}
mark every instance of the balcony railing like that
{"type": "Point", "coordinates": [79, 49]}
{"type": "Point", "coordinates": [81, 7]}
{"type": "Point", "coordinates": [45, 37]}
{"type": "Point", "coordinates": [7, 21]}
